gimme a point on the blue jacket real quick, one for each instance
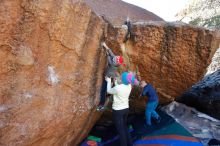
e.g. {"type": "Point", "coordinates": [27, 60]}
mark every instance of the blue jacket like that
{"type": "Point", "coordinates": [150, 92]}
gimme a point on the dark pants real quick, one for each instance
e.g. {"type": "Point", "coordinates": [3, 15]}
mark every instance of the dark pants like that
{"type": "Point", "coordinates": [120, 120]}
{"type": "Point", "coordinates": [103, 92]}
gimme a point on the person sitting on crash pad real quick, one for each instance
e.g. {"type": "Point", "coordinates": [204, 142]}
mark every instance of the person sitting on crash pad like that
{"type": "Point", "coordinates": [111, 71]}
{"type": "Point", "coordinates": [152, 103]}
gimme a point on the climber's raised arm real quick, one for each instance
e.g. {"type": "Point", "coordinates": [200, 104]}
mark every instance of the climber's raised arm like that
{"type": "Point", "coordinates": [108, 50]}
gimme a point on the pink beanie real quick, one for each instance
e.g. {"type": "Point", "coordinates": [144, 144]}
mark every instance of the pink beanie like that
{"type": "Point", "coordinates": [131, 79]}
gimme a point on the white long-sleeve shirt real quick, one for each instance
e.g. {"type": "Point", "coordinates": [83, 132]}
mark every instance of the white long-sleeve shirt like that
{"type": "Point", "coordinates": [121, 94]}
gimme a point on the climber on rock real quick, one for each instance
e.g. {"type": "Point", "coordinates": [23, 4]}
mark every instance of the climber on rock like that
{"type": "Point", "coordinates": [111, 71]}
{"type": "Point", "coordinates": [127, 23]}
{"type": "Point", "coordinates": [152, 103]}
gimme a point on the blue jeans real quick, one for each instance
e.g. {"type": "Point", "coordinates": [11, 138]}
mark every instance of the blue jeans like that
{"type": "Point", "coordinates": [150, 111]}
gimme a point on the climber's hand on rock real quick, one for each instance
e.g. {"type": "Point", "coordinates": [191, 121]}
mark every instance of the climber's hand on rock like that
{"type": "Point", "coordinates": [107, 79]}
{"type": "Point", "coordinates": [103, 44]}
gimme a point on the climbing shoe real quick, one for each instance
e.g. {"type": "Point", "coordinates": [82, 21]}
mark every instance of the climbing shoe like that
{"type": "Point", "coordinates": [158, 120]}
{"type": "Point", "coordinates": [100, 108]}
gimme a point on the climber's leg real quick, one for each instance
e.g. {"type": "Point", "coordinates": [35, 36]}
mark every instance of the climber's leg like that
{"type": "Point", "coordinates": [102, 95]}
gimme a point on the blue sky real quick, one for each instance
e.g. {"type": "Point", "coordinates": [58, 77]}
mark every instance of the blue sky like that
{"type": "Point", "coordinates": [166, 9]}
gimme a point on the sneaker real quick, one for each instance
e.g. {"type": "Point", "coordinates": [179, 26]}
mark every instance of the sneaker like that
{"type": "Point", "coordinates": [158, 120]}
{"type": "Point", "coordinates": [100, 108]}
{"type": "Point", "coordinates": [147, 124]}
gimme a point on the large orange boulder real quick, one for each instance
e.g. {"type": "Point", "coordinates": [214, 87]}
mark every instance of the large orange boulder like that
{"type": "Point", "coordinates": [51, 71]}
{"type": "Point", "coordinates": [170, 56]}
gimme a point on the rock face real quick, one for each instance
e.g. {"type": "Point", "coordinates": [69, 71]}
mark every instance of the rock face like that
{"type": "Point", "coordinates": [52, 66]}
{"type": "Point", "coordinates": [215, 64]}
{"type": "Point", "coordinates": [171, 56]}
{"type": "Point", "coordinates": [198, 124]}
{"type": "Point", "coordinates": [205, 95]}
{"type": "Point", "coordinates": [51, 71]}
